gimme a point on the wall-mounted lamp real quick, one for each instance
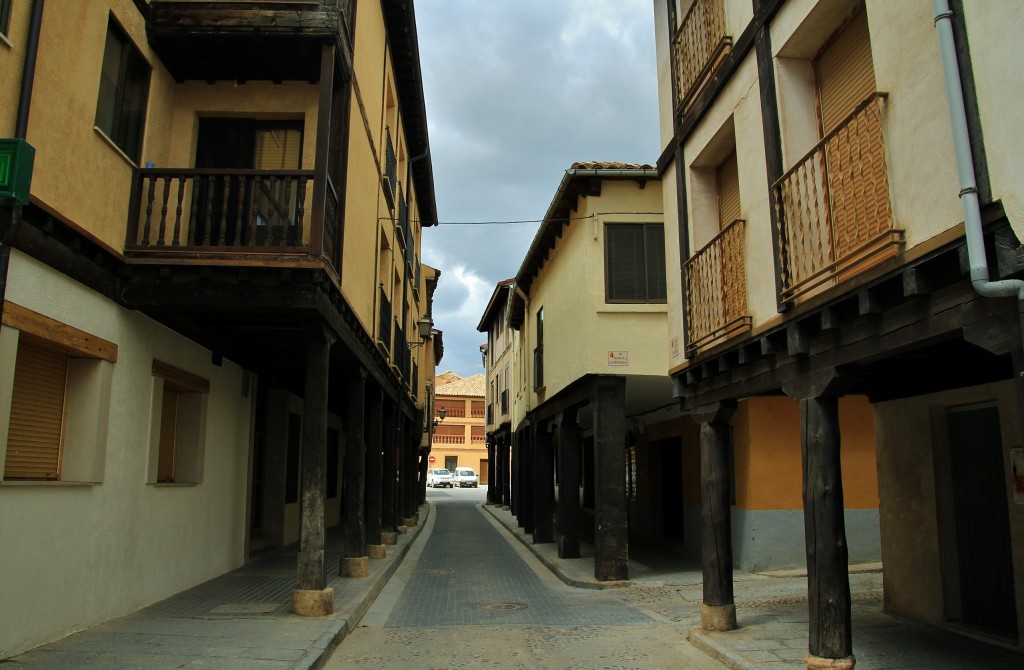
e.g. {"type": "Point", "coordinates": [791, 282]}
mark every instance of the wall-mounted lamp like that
{"type": "Point", "coordinates": [442, 413]}
{"type": "Point", "coordinates": [426, 330]}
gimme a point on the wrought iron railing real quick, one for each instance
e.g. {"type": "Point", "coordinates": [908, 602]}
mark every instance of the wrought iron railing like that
{"type": "Point", "coordinates": [698, 47]}
{"type": "Point", "coordinates": [504, 402]}
{"type": "Point", "coordinates": [211, 209]}
{"type": "Point", "coordinates": [384, 321]}
{"type": "Point", "coordinates": [716, 289]}
{"type": "Point", "coordinates": [401, 355]}
{"type": "Point", "coordinates": [490, 413]}
{"type": "Point", "coordinates": [538, 367]}
{"type": "Point", "coordinates": [834, 214]}
{"type": "Point", "coordinates": [390, 167]}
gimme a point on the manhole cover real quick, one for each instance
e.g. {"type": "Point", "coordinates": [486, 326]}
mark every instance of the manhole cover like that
{"type": "Point", "coordinates": [503, 607]}
{"type": "Point", "coordinates": [245, 608]}
{"type": "Point", "coordinates": [435, 571]}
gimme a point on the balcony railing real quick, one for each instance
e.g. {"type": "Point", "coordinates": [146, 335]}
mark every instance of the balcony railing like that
{"type": "Point", "coordinates": [476, 413]}
{"type": "Point", "coordinates": [449, 439]}
{"type": "Point", "coordinates": [384, 322]}
{"type": "Point", "coordinates": [833, 208]}
{"type": "Point", "coordinates": [457, 412]}
{"type": "Point", "coordinates": [716, 289]}
{"type": "Point", "coordinates": [208, 210]}
{"type": "Point", "coordinates": [699, 45]}
{"type": "Point", "coordinates": [390, 178]}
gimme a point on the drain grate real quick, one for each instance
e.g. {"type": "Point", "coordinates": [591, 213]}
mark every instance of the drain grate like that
{"type": "Point", "coordinates": [504, 607]}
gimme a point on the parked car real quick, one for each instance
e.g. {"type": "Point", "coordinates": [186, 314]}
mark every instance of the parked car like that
{"type": "Point", "coordinates": [439, 477]}
{"type": "Point", "coordinates": [466, 477]}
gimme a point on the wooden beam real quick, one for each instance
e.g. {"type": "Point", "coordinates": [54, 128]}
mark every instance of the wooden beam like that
{"type": "Point", "coordinates": [55, 333]}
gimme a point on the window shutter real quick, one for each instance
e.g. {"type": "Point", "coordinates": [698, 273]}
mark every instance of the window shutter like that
{"type": "Point", "coordinates": [727, 177]}
{"type": "Point", "coordinates": [36, 432]}
{"type": "Point", "coordinates": [625, 270]}
{"type": "Point", "coordinates": [845, 71]}
{"type": "Point", "coordinates": [168, 435]}
{"type": "Point", "coordinates": [654, 250]}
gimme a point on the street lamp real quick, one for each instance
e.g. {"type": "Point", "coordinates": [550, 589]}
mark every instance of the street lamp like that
{"type": "Point", "coordinates": [426, 330]}
{"type": "Point", "coordinates": [441, 413]}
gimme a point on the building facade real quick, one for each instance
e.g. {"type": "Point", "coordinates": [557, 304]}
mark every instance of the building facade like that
{"type": "Point", "coordinates": [829, 262]}
{"type": "Point", "coordinates": [459, 436]}
{"type": "Point", "coordinates": [213, 296]}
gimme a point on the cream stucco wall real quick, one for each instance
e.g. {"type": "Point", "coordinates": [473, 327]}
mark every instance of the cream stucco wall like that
{"type": "Point", "coordinates": [580, 328]}
{"type": "Point", "coordinates": [912, 495]}
{"type": "Point", "coordinates": [90, 552]}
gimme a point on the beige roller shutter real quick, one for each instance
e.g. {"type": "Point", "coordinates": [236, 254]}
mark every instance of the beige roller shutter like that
{"type": "Point", "coordinates": [728, 181]}
{"type": "Point", "coordinates": [845, 71]}
{"type": "Point", "coordinates": [37, 413]}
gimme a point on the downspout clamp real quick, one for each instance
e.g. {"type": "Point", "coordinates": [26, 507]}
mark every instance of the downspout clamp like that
{"type": "Point", "coordinates": [965, 166]}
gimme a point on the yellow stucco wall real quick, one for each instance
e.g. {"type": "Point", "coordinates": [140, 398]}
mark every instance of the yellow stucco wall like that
{"type": "Point", "coordinates": [768, 462]}
{"type": "Point", "coordinates": [571, 289]}
{"type": "Point", "coordinates": [12, 63]}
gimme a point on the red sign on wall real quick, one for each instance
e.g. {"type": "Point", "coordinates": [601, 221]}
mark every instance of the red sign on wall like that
{"type": "Point", "coordinates": [432, 459]}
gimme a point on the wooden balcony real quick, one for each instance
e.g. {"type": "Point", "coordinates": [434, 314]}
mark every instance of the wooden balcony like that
{"type": "Point", "coordinates": [216, 214]}
{"type": "Point", "coordinates": [245, 40]}
{"type": "Point", "coordinates": [699, 45]}
{"type": "Point", "coordinates": [716, 289]}
{"type": "Point", "coordinates": [834, 214]}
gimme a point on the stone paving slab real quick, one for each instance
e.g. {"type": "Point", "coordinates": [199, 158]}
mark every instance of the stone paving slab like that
{"type": "Point", "coordinates": [239, 620]}
{"type": "Point", "coordinates": [772, 615]}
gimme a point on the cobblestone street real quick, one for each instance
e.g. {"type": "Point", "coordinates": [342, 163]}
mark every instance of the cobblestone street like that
{"type": "Point", "coordinates": [466, 597]}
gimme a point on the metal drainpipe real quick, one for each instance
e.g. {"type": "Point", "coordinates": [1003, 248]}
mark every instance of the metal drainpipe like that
{"type": "Point", "coordinates": [965, 168]}
{"type": "Point", "coordinates": [20, 130]}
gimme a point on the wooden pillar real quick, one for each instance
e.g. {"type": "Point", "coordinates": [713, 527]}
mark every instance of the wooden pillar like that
{"type": "Point", "coordinates": [354, 562]}
{"type": "Point", "coordinates": [543, 486]}
{"type": "Point", "coordinates": [828, 580]}
{"type": "Point", "coordinates": [830, 643]}
{"type": "Point", "coordinates": [389, 475]}
{"type": "Point", "coordinates": [528, 482]}
{"type": "Point", "coordinates": [492, 471]}
{"type": "Point", "coordinates": [374, 472]}
{"type": "Point", "coordinates": [516, 497]}
{"type": "Point", "coordinates": [401, 465]}
{"type": "Point", "coordinates": [505, 460]}
{"type": "Point", "coordinates": [718, 608]}
{"type": "Point", "coordinates": [611, 540]}
{"type": "Point", "coordinates": [568, 486]}
{"type": "Point", "coordinates": [313, 597]}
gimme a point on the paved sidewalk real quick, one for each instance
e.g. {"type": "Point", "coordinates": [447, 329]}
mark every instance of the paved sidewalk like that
{"type": "Point", "coordinates": [772, 613]}
{"type": "Point", "coordinates": [240, 620]}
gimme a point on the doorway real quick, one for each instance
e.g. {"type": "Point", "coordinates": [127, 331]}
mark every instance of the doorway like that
{"type": "Point", "coordinates": [984, 595]}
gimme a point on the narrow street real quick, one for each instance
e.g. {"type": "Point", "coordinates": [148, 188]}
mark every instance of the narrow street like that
{"type": "Point", "coordinates": [466, 596]}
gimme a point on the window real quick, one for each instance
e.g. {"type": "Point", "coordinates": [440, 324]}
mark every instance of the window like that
{"type": "Point", "coordinates": [634, 262]}
{"type": "Point", "coordinates": [538, 352]}
{"type": "Point", "coordinates": [5, 16]}
{"type": "Point", "coordinates": [124, 88]}
{"type": "Point", "coordinates": [179, 432]}
{"type": "Point", "coordinates": [54, 427]}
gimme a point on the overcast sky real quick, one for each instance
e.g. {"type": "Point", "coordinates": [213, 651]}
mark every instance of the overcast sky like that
{"type": "Point", "coordinates": [517, 91]}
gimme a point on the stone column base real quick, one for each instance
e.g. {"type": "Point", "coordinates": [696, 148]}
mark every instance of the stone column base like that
{"type": "Point", "coordinates": [376, 551]}
{"type": "Point", "coordinates": [821, 663]}
{"type": "Point", "coordinates": [717, 617]}
{"type": "Point", "coordinates": [312, 602]}
{"type": "Point", "coordinates": [412, 521]}
{"type": "Point", "coordinates": [402, 530]}
{"type": "Point", "coordinates": [355, 567]}
{"type": "Point", "coordinates": [389, 537]}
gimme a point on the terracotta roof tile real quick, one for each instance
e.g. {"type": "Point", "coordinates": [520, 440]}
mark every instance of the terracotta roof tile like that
{"type": "Point", "coordinates": [475, 385]}
{"type": "Point", "coordinates": [602, 165]}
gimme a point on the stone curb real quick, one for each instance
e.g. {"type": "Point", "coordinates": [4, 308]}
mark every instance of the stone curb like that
{"type": "Point", "coordinates": [551, 565]}
{"type": "Point", "coordinates": [316, 655]}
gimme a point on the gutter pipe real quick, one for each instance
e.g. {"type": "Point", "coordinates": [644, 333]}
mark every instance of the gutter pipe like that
{"type": "Point", "coordinates": [965, 168]}
{"type": "Point", "coordinates": [20, 130]}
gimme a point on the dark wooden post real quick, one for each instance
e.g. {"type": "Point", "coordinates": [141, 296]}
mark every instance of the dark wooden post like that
{"type": "Point", "coordinates": [528, 483]}
{"type": "Point", "coordinates": [569, 486]}
{"type": "Point", "coordinates": [374, 472]}
{"type": "Point", "coordinates": [354, 562]}
{"type": "Point", "coordinates": [543, 486]}
{"type": "Point", "coordinates": [504, 460]}
{"type": "Point", "coordinates": [828, 582]}
{"type": "Point", "coordinates": [611, 539]}
{"type": "Point", "coordinates": [516, 497]}
{"type": "Point", "coordinates": [402, 486]}
{"type": "Point", "coordinates": [718, 609]}
{"type": "Point", "coordinates": [830, 641]}
{"type": "Point", "coordinates": [323, 138]}
{"type": "Point", "coordinates": [313, 597]}
{"type": "Point", "coordinates": [389, 473]}
{"type": "Point", "coordinates": [491, 470]}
